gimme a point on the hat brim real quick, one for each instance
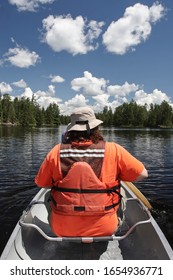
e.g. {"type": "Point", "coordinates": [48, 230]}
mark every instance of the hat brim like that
{"type": "Point", "coordinates": [83, 127]}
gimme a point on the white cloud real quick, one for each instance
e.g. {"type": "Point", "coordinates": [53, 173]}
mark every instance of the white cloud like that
{"type": "Point", "coordinates": [157, 11]}
{"type": "Point", "coordinates": [94, 92]}
{"type": "Point", "coordinates": [20, 84]}
{"type": "Point", "coordinates": [100, 102]}
{"type": "Point", "coordinates": [63, 33]}
{"type": "Point", "coordinates": [51, 90]}
{"type": "Point", "coordinates": [45, 101]}
{"type": "Point", "coordinates": [102, 99]}
{"type": "Point", "coordinates": [5, 88]}
{"type": "Point", "coordinates": [118, 102]}
{"type": "Point", "coordinates": [122, 91]}
{"type": "Point", "coordinates": [156, 97]}
{"type": "Point", "coordinates": [78, 100]}
{"type": "Point", "coordinates": [29, 5]}
{"type": "Point", "coordinates": [43, 98]}
{"type": "Point", "coordinates": [50, 93]}
{"type": "Point", "coordinates": [21, 57]}
{"type": "Point", "coordinates": [57, 79]}
{"type": "Point", "coordinates": [89, 85]}
{"type": "Point", "coordinates": [28, 93]}
{"type": "Point", "coordinates": [133, 28]}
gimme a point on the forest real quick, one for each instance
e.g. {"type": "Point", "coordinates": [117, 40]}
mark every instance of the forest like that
{"type": "Point", "coordinates": [26, 112]}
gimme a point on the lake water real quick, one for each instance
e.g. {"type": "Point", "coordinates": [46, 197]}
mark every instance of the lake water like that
{"type": "Point", "coordinates": [23, 150]}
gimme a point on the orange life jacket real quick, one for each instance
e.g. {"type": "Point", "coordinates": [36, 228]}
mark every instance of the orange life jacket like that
{"type": "Point", "coordinates": [81, 192]}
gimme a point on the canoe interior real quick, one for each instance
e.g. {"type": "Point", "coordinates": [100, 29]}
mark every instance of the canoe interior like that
{"type": "Point", "coordinates": [144, 243]}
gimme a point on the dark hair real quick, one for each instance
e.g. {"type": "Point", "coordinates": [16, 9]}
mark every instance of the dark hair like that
{"type": "Point", "coordinates": [83, 136]}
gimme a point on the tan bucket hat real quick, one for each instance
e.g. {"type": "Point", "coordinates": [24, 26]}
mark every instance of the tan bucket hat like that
{"type": "Point", "coordinates": [83, 118]}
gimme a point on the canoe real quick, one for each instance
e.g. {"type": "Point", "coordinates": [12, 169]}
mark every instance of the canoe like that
{"type": "Point", "coordinates": [138, 238]}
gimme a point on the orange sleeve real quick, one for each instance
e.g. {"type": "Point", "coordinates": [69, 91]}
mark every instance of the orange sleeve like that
{"type": "Point", "coordinates": [129, 167]}
{"type": "Point", "coordinates": [50, 169]}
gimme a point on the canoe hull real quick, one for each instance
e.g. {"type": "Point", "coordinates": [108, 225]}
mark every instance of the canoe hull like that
{"type": "Point", "coordinates": [145, 242]}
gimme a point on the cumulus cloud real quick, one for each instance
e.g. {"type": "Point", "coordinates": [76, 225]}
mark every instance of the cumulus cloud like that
{"type": "Point", "coordinates": [44, 98]}
{"type": "Point", "coordinates": [5, 88]}
{"type": "Point", "coordinates": [140, 96]}
{"type": "Point", "coordinates": [101, 101]}
{"type": "Point", "coordinates": [133, 28]}
{"type": "Point", "coordinates": [56, 79]}
{"type": "Point", "coordinates": [48, 93]}
{"type": "Point", "coordinates": [29, 5]}
{"type": "Point", "coordinates": [20, 84]}
{"type": "Point", "coordinates": [92, 91]}
{"type": "Point", "coordinates": [122, 91]}
{"type": "Point", "coordinates": [89, 85]}
{"type": "Point", "coordinates": [76, 36]}
{"type": "Point", "coordinates": [21, 57]}
{"type": "Point", "coordinates": [28, 93]}
{"type": "Point", "coordinates": [78, 100]}
{"type": "Point", "coordinates": [156, 97]}
{"type": "Point", "coordinates": [100, 92]}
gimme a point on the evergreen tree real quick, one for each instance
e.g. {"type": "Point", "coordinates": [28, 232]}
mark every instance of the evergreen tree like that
{"type": "Point", "coordinates": [106, 116]}
{"type": "Point", "coordinates": [64, 119]}
{"type": "Point", "coordinates": [49, 117]}
{"type": "Point", "coordinates": [11, 114]}
{"type": "Point", "coordinates": [1, 116]}
{"type": "Point", "coordinates": [139, 115]}
{"type": "Point", "coordinates": [39, 115]}
{"type": "Point", "coordinates": [165, 114]}
{"type": "Point", "coordinates": [27, 112]}
{"type": "Point", "coordinates": [118, 117]}
{"type": "Point", "coordinates": [56, 114]}
{"type": "Point", "coordinates": [6, 104]}
{"type": "Point", "coordinates": [128, 115]}
{"type": "Point", "coordinates": [26, 115]}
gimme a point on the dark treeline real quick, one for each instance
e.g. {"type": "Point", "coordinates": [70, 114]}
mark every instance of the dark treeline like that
{"type": "Point", "coordinates": [26, 112]}
{"type": "Point", "coordinates": [133, 115]}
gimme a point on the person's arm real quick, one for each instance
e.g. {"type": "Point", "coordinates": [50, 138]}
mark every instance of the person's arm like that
{"type": "Point", "coordinates": [130, 168]}
{"type": "Point", "coordinates": [49, 169]}
{"type": "Point", "coordinates": [43, 178]}
{"type": "Point", "coordinates": [142, 176]}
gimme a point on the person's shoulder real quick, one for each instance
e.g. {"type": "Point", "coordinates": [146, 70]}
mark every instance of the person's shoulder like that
{"type": "Point", "coordinates": [112, 144]}
{"type": "Point", "coordinates": [55, 149]}
{"type": "Point", "coordinates": [114, 147]}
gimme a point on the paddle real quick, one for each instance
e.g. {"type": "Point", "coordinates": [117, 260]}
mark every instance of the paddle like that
{"type": "Point", "coordinates": [138, 193]}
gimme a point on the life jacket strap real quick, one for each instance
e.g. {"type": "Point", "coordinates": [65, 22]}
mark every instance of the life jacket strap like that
{"type": "Point", "coordinates": [73, 190]}
{"type": "Point", "coordinates": [83, 208]}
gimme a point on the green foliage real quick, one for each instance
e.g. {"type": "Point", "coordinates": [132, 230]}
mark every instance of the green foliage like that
{"type": "Point", "coordinates": [26, 112]}
{"type": "Point", "coordinates": [133, 115]}
{"type": "Point", "coordinates": [52, 115]}
{"type": "Point", "coordinates": [106, 116]}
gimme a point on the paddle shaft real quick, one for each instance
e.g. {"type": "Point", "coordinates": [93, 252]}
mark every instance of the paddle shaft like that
{"type": "Point", "coordinates": [138, 193]}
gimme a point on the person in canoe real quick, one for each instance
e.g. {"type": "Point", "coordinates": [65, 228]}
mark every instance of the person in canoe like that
{"type": "Point", "coordinates": [84, 174]}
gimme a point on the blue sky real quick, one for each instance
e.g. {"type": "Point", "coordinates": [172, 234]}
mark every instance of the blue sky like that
{"type": "Point", "coordinates": [89, 52]}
